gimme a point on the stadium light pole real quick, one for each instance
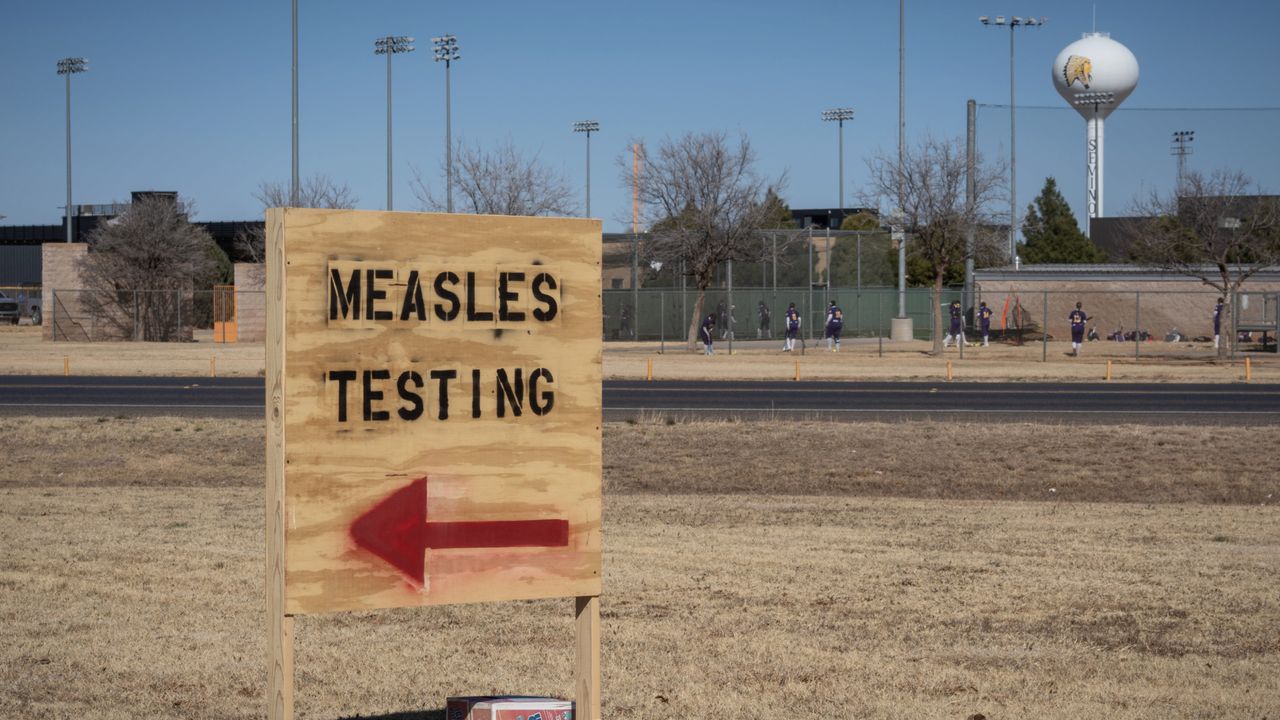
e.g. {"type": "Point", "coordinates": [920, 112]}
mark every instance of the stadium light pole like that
{"type": "Point", "coordinates": [1014, 23]}
{"type": "Point", "coordinates": [588, 127]}
{"type": "Point", "coordinates": [68, 67]}
{"type": "Point", "coordinates": [446, 51]}
{"type": "Point", "coordinates": [1181, 149]}
{"type": "Point", "coordinates": [839, 115]}
{"type": "Point", "coordinates": [391, 45]}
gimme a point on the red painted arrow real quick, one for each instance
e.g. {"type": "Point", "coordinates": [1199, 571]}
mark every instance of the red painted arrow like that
{"type": "Point", "coordinates": [396, 530]}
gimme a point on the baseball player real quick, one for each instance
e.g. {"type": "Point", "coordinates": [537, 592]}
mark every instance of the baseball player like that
{"type": "Point", "coordinates": [957, 325]}
{"type": "Point", "coordinates": [707, 332]}
{"type": "Point", "coordinates": [835, 323]}
{"type": "Point", "coordinates": [793, 328]}
{"type": "Point", "coordinates": [984, 322]}
{"type": "Point", "coordinates": [1217, 323]}
{"type": "Point", "coordinates": [1078, 318]}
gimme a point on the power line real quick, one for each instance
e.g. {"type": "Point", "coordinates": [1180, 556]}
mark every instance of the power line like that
{"type": "Point", "coordinates": [1140, 109]}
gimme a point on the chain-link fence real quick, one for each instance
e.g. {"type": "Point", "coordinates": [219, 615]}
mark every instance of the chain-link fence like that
{"type": "Point", "coordinates": [783, 259]}
{"type": "Point", "coordinates": [753, 313]}
{"type": "Point", "coordinates": [1151, 322]}
{"type": "Point", "coordinates": [1173, 323]}
{"type": "Point", "coordinates": [221, 314]}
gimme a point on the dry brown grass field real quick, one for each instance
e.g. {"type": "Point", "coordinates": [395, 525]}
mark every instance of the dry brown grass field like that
{"type": "Point", "coordinates": [802, 570]}
{"type": "Point", "coordinates": [23, 352]}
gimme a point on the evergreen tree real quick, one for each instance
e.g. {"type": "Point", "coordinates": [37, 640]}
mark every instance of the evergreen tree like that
{"type": "Point", "coordinates": [1051, 232]}
{"type": "Point", "coordinates": [862, 220]}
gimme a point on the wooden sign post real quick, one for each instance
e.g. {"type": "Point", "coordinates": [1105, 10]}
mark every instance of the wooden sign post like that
{"type": "Point", "coordinates": [433, 419]}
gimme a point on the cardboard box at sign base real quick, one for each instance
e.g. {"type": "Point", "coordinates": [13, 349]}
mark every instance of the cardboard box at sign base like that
{"type": "Point", "coordinates": [508, 707]}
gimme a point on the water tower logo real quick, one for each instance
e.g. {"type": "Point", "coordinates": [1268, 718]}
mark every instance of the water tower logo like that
{"type": "Point", "coordinates": [1095, 74]}
{"type": "Point", "coordinates": [1078, 68]}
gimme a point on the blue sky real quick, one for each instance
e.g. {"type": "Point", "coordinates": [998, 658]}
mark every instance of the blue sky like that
{"type": "Point", "coordinates": [194, 96]}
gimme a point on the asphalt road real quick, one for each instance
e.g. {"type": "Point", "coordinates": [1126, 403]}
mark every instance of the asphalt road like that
{"type": "Point", "coordinates": [992, 402]}
{"type": "Point", "coordinates": [100, 395]}
{"type": "Point", "coordinates": [1053, 402]}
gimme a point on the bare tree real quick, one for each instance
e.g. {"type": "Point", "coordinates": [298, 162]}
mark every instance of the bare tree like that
{"type": "Point", "coordinates": [932, 179]}
{"type": "Point", "coordinates": [1216, 228]}
{"type": "Point", "coordinates": [704, 204]}
{"type": "Point", "coordinates": [143, 266]}
{"type": "Point", "coordinates": [502, 182]}
{"type": "Point", "coordinates": [317, 191]}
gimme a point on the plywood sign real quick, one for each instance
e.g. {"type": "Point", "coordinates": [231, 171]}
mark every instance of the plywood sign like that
{"type": "Point", "coordinates": [434, 409]}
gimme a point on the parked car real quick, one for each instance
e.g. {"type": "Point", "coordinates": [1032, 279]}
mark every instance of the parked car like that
{"type": "Point", "coordinates": [12, 308]}
{"type": "Point", "coordinates": [9, 312]}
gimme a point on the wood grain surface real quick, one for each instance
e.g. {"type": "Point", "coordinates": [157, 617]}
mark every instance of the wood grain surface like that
{"type": "Point", "coordinates": [534, 451]}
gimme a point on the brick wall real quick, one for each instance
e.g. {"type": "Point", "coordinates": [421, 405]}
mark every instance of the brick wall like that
{"type": "Point", "coordinates": [63, 313]}
{"type": "Point", "coordinates": [251, 303]}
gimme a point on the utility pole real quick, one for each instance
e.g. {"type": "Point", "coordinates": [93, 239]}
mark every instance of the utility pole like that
{"type": "Point", "coordinates": [900, 326]}
{"type": "Point", "coordinates": [970, 198]}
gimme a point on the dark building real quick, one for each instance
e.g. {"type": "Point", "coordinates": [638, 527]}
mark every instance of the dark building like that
{"type": "Point", "coordinates": [1115, 235]}
{"type": "Point", "coordinates": [20, 254]}
{"type": "Point", "coordinates": [823, 218]}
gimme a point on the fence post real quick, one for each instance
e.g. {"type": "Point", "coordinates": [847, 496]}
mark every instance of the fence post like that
{"type": "Point", "coordinates": [684, 311]}
{"type": "Point", "coordinates": [857, 315]}
{"type": "Point", "coordinates": [808, 309]}
{"type": "Point", "coordinates": [858, 240]}
{"type": "Point", "coordinates": [1137, 324]}
{"type": "Point", "coordinates": [1044, 331]}
{"type": "Point", "coordinates": [635, 286]}
{"type": "Point", "coordinates": [1234, 309]}
{"type": "Point", "coordinates": [732, 315]}
{"type": "Point", "coordinates": [880, 322]}
{"type": "Point", "coordinates": [775, 269]}
{"type": "Point", "coordinates": [135, 316]}
{"type": "Point", "coordinates": [1018, 312]}
{"type": "Point", "coordinates": [662, 322]}
{"type": "Point", "coordinates": [53, 297]}
{"type": "Point", "coordinates": [826, 285]}
{"type": "Point", "coordinates": [179, 294]}
{"type": "Point", "coordinates": [762, 260]}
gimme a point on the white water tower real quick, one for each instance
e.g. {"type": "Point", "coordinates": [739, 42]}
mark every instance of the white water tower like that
{"type": "Point", "coordinates": [1095, 74]}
